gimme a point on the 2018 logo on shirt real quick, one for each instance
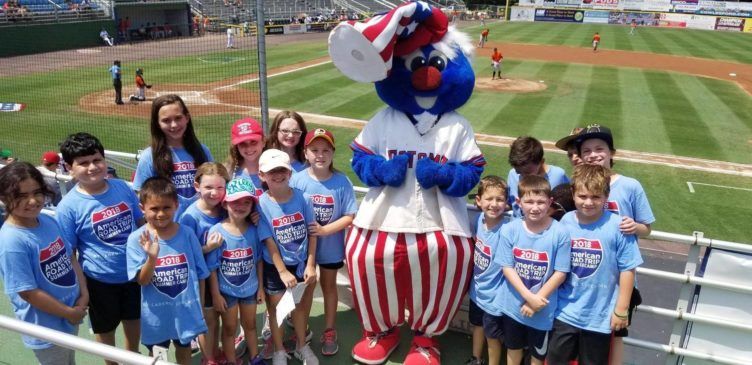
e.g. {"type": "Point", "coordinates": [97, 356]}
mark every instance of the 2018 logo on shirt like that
{"type": "Point", "coordinates": [290, 230]}
{"type": "Point", "coordinates": [236, 265]}
{"type": "Point", "coordinates": [531, 266]}
{"type": "Point", "coordinates": [182, 177]}
{"type": "Point", "coordinates": [612, 206]}
{"type": "Point", "coordinates": [586, 256]}
{"type": "Point", "coordinates": [171, 275]}
{"type": "Point", "coordinates": [323, 206]}
{"type": "Point", "coordinates": [56, 264]}
{"type": "Point", "coordinates": [481, 257]}
{"type": "Point", "coordinates": [113, 224]}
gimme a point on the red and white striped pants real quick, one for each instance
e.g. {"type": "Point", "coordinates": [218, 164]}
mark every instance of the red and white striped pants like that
{"type": "Point", "coordinates": [427, 274]}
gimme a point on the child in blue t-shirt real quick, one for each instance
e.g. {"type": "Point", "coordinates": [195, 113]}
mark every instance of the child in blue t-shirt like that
{"type": "Point", "coordinates": [175, 152]}
{"type": "Point", "coordinates": [594, 300]}
{"type": "Point", "coordinates": [286, 134]}
{"type": "Point", "coordinates": [46, 287]}
{"type": "Point", "coordinates": [200, 216]}
{"type": "Point", "coordinates": [535, 258]}
{"type": "Point", "coordinates": [235, 269]}
{"type": "Point", "coordinates": [247, 143]}
{"type": "Point", "coordinates": [165, 259]}
{"type": "Point", "coordinates": [487, 278]}
{"type": "Point", "coordinates": [96, 217]}
{"type": "Point", "coordinates": [334, 204]}
{"type": "Point", "coordinates": [526, 158]}
{"type": "Point", "coordinates": [292, 257]}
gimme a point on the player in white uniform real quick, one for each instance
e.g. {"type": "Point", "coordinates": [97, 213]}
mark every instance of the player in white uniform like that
{"type": "Point", "coordinates": [230, 37]}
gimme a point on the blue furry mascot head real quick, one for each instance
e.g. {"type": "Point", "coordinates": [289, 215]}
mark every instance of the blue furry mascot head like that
{"type": "Point", "coordinates": [419, 158]}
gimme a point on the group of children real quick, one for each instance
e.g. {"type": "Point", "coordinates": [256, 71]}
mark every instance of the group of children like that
{"type": "Point", "coordinates": [202, 241]}
{"type": "Point", "coordinates": [563, 289]}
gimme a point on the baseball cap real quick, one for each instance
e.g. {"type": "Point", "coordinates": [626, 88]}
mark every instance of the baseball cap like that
{"type": "Point", "coordinates": [272, 159]}
{"type": "Point", "coordinates": [319, 133]}
{"type": "Point", "coordinates": [50, 157]}
{"type": "Point", "coordinates": [595, 131]}
{"type": "Point", "coordinates": [246, 129]}
{"type": "Point", "coordinates": [5, 153]}
{"type": "Point", "coordinates": [564, 143]}
{"type": "Point", "coordinates": [239, 188]}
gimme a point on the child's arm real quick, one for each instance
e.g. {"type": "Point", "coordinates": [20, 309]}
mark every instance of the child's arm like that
{"type": "Point", "coordinates": [310, 271]}
{"type": "Point", "coordinates": [212, 242]}
{"type": "Point", "coordinates": [41, 300]}
{"type": "Point", "coordinates": [315, 229]}
{"type": "Point", "coordinates": [83, 297]}
{"type": "Point", "coordinates": [619, 318]}
{"type": "Point", "coordinates": [219, 301]}
{"type": "Point", "coordinates": [201, 291]}
{"type": "Point", "coordinates": [629, 226]}
{"type": "Point", "coordinates": [260, 275]}
{"type": "Point", "coordinates": [535, 301]}
{"type": "Point", "coordinates": [151, 247]}
{"type": "Point", "coordinates": [286, 277]}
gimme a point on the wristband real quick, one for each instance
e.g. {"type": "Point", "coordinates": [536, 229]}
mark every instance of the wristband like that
{"type": "Point", "coordinates": [622, 316]}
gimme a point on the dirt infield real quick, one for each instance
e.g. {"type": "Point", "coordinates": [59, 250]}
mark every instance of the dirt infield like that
{"type": "Point", "coordinates": [509, 85]}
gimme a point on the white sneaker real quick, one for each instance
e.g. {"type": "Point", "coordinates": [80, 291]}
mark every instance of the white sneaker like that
{"type": "Point", "coordinates": [306, 355]}
{"type": "Point", "coordinates": [280, 358]}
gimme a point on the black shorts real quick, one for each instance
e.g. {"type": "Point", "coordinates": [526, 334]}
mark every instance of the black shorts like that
{"type": "Point", "coordinates": [166, 344]}
{"type": "Point", "coordinates": [111, 303]}
{"type": "Point", "coordinates": [519, 336]}
{"type": "Point", "coordinates": [272, 282]}
{"type": "Point", "coordinates": [208, 301]}
{"type": "Point", "coordinates": [634, 301]}
{"type": "Point", "coordinates": [333, 266]}
{"type": "Point", "coordinates": [475, 314]}
{"type": "Point", "coordinates": [567, 343]}
{"type": "Point", "coordinates": [493, 326]}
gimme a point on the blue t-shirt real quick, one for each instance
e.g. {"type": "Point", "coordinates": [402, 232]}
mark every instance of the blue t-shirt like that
{"type": "Point", "coordinates": [487, 275]}
{"type": "Point", "coordinates": [297, 166]}
{"type": "Point", "coordinates": [555, 176]}
{"type": "Point", "coordinates": [98, 227]}
{"type": "Point", "coordinates": [332, 199]}
{"type": "Point", "coordinates": [627, 199]}
{"type": "Point", "coordinates": [241, 173]}
{"type": "Point", "coordinates": [289, 226]}
{"type": "Point", "coordinates": [115, 72]}
{"type": "Point", "coordinates": [170, 304]}
{"type": "Point", "coordinates": [37, 258]}
{"type": "Point", "coordinates": [236, 260]}
{"type": "Point", "coordinates": [183, 174]}
{"type": "Point", "coordinates": [199, 222]}
{"type": "Point", "coordinates": [535, 257]}
{"type": "Point", "coordinates": [599, 253]}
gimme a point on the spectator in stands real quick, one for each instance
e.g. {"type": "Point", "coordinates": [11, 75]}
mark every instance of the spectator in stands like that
{"type": "Point", "coordinates": [73, 6]}
{"type": "Point", "coordinates": [85, 6]}
{"type": "Point", "coordinates": [196, 23]}
{"type": "Point", "coordinates": [10, 8]}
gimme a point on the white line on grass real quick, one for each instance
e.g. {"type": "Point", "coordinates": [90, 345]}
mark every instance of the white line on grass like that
{"type": "Point", "coordinates": [690, 185]}
{"type": "Point", "coordinates": [272, 75]}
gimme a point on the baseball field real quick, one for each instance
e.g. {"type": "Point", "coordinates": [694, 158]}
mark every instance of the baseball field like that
{"type": "Point", "coordinates": [678, 102]}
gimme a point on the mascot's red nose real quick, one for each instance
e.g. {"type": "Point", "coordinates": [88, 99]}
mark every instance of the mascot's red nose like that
{"type": "Point", "coordinates": [426, 78]}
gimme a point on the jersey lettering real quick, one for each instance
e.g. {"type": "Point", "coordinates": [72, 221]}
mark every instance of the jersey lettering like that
{"type": "Point", "coordinates": [56, 264]}
{"type": "Point", "coordinates": [323, 206]}
{"type": "Point", "coordinates": [586, 256]}
{"type": "Point", "coordinates": [290, 231]}
{"type": "Point", "coordinates": [113, 224]}
{"type": "Point", "coordinates": [182, 177]}
{"type": "Point", "coordinates": [531, 266]}
{"type": "Point", "coordinates": [171, 275]}
{"type": "Point", "coordinates": [417, 155]}
{"type": "Point", "coordinates": [612, 206]}
{"type": "Point", "coordinates": [481, 257]}
{"type": "Point", "coordinates": [236, 265]}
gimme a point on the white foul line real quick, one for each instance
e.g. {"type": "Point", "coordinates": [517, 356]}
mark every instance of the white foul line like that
{"type": "Point", "coordinates": [272, 75]}
{"type": "Point", "coordinates": [692, 189]}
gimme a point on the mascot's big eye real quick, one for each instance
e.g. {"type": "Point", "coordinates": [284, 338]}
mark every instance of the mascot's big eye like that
{"type": "Point", "coordinates": [415, 60]}
{"type": "Point", "coordinates": [437, 59]}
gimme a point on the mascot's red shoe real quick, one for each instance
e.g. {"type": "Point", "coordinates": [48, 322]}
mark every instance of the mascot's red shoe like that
{"type": "Point", "coordinates": [424, 351]}
{"type": "Point", "coordinates": [375, 348]}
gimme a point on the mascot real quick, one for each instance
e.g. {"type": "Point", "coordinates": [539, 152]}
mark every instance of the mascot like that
{"type": "Point", "coordinates": [411, 248]}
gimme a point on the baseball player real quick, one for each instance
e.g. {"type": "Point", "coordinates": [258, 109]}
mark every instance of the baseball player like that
{"type": "Point", "coordinates": [596, 41]}
{"type": "Point", "coordinates": [483, 38]}
{"type": "Point", "coordinates": [633, 27]}
{"type": "Point", "coordinates": [230, 38]}
{"type": "Point", "coordinates": [116, 82]}
{"type": "Point", "coordinates": [496, 58]}
{"type": "Point", "coordinates": [141, 87]}
{"type": "Point", "coordinates": [106, 37]}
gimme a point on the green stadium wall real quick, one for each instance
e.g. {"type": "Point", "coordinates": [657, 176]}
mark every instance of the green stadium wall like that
{"type": "Point", "coordinates": [32, 39]}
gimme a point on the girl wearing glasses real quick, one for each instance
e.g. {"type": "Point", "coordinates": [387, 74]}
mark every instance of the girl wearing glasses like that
{"type": "Point", "coordinates": [285, 134]}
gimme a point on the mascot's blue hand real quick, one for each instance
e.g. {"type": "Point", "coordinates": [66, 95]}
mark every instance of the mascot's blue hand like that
{"type": "Point", "coordinates": [375, 170]}
{"type": "Point", "coordinates": [430, 173]}
{"type": "Point", "coordinates": [454, 179]}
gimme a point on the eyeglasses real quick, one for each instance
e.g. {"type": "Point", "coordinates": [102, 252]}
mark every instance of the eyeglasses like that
{"type": "Point", "coordinates": [294, 132]}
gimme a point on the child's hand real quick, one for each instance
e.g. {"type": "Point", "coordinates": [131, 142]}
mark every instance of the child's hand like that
{"type": "Point", "coordinates": [220, 305]}
{"type": "Point", "coordinates": [214, 241]}
{"type": "Point", "coordinates": [76, 315]}
{"type": "Point", "coordinates": [255, 218]}
{"type": "Point", "coordinates": [82, 301]}
{"type": "Point", "coordinates": [618, 323]}
{"type": "Point", "coordinates": [149, 244]}
{"type": "Point", "coordinates": [310, 275]}
{"type": "Point", "coordinates": [536, 302]}
{"type": "Point", "coordinates": [628, 225]}
{"type": "Point", "coordinates": [288, 278]}
{"type": "Point", "coordinates": [315, 229]}
{"type": "Point", "coordinates": [526, 311]}
{"type": "Point", "coordinates": [260, 296]}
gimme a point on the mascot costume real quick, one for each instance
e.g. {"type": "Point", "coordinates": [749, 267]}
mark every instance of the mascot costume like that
{"type": "Point", "coordinates": [411, 248]}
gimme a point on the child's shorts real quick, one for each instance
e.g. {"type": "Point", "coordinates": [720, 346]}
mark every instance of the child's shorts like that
{"type": "Point", "coordinates": [111, 303]}
{"type": "Point", "coordinates": [232, 301]}
{"type": "Point", "coordinates": [568, 343]}
{"type": "Point", "coordinates": [333, 266]}
{"type": "Point", "coordinates": [634, 301]}
{"type": "Point", "coordinates": [166, 344]}
{"type": "Point", "coordinates": [273, 284]}
{"type": "Point", "coordinates": [519, 336]}
{"type": "Point", "coordinates": [55, 355]}
{"type": "Point", "coordinates": [475, 314]}
{"type": "Point", "coordinates": [493, 326]}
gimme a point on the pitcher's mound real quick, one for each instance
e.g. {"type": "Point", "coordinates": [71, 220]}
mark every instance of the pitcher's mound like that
{"type": "Point", "coordinates": [510, 85]}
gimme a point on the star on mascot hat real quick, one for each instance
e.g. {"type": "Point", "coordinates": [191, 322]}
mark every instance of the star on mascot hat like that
{"type": "Point", "coordinates": [363, 51]}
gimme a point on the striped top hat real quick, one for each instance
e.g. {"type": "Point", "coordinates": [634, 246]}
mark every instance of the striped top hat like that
{"type": "Point", "coordinates": [363, 51]}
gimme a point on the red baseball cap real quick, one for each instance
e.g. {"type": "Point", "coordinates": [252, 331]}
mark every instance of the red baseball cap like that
{"type": "Point", "coordinates": [319, 133]}
{"type": "Point", "coordinates": [50, 157]}
{"type": "Point", "coordinates": [246, 129]}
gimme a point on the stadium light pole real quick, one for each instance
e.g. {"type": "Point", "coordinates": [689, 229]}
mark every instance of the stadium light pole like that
{"type": "Point", "coordinates": [261, 42]}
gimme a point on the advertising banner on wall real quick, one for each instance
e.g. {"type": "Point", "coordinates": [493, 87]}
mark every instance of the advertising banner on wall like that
{"type": "Point", "coordinates": [568, 3]}
{"type": "Point", "coordinates": [724, 8]}
{"type": "Point", "coordinates": [673, 20]}
{"type": "Point", "coordinates": [295, 28]}
{"type": "Point", "coordinates": [642, 19]}
{"type": "Point", "coordinates": [729, 24]}
{"type": "Point", "coordinates": [748, 25]}
{"type": "Point", "coordinates": [701, 22]}
{"type": "Point", "coordinates": [559, 15]}
{"type": "Point", "coordinates": [592, 16]}
{"type": "Point", "coordinates": [605, 4]}
{"type": "Point", "coordinates": [685, 6]}
{"type": "Point", "coordinates": [631, 4]}
{"type": "Point", "coordinates": [657, 5]}
{"type": "Point", "coordinates": [520, 14]}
